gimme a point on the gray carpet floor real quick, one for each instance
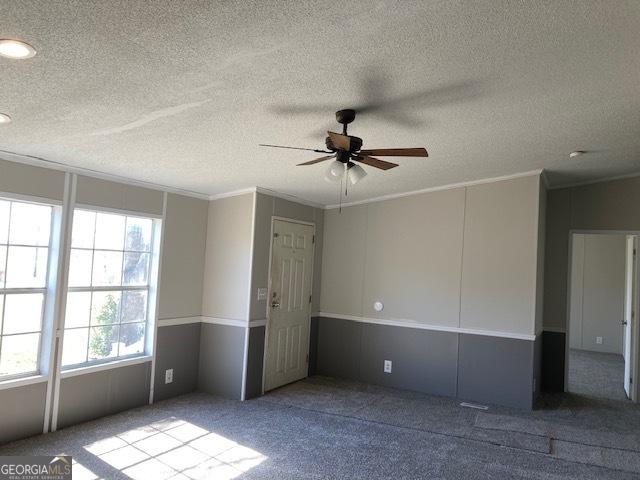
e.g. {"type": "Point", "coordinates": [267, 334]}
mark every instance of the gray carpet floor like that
{"type": "Point", "coordinates": [326, 428]}
{"type": "Point", "coordinates": [596, 374]}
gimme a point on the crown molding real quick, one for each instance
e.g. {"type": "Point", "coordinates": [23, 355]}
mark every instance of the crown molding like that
{"type": "Point", "coordinates": [233, 193]}
{"type": "Point", "coordinates": [291, 198]}
{"type": "Point", "coordinates": [438, 189]}
{"type": "Point", "coordinates": [36, 161]}
{"type": "Point", "coordinates": [593, 182]}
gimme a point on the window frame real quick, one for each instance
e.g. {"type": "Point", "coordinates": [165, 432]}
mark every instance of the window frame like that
{"type": "Point", "coordinates": [150, 288]}
{"type": "Point", "coordinates": [45, 291]}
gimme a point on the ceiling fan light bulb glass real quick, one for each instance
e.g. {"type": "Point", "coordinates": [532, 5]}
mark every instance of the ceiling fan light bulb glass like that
{"type": "Point", "coordinates": [336, 169]}
{"type": "Point", "coordinates": [334, 172]}
{"type": "Point", "coordinates": [356, 173]}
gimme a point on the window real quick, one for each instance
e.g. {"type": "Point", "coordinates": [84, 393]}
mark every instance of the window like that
{"type": "Point", "coordinates": [25, 231]}
{"type": "Point", "coordinates": [108, 287]}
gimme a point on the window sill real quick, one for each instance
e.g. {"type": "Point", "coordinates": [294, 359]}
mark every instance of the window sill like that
{"type": "Point", "coordinates": [73, 372]}
{"type": "Point", "coordinates": [21, 382]}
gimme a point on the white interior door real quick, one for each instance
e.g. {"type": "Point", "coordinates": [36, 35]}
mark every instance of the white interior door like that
{"type": "Point", "coordinates": [287, 349]}
{"type": "Point", "coordinates": [629, 315]}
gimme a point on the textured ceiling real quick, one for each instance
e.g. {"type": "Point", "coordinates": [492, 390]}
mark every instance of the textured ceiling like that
{"type": "Point", "coordinates": [180, 93]}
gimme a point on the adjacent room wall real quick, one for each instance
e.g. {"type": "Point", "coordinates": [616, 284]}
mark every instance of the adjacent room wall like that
{"type": "Point", "coordinates": [604, 206]}
{"type": "Point", "coordinates": [457, 268]}
{"type": "Point", "coordinates": [267, 207]}
{"type": "Point", "coordinates": [597, 292]}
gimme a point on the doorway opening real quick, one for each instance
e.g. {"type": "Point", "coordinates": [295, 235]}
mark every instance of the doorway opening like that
{"type": "Point", "coordinates": [602, 329]}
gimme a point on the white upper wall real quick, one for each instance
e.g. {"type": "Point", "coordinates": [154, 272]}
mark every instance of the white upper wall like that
{"type": "Point", "coordinates": [499, 273]}
{"type": "Point", "coordinates": [105, 193]}
{"type": "Point", "coordinates": [20, 179]}
{"type": "Point", "coordinates": [184, 226]}
{"type": "Point", "coordinates": [183, 254]}
{"type": "Point", "coordinates": [228, 255]}
{"type": "Point", "coordinates": [465, 257]}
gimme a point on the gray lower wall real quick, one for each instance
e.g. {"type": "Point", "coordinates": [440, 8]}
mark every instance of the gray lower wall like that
{"type": "Point", "coordinates": [496, 370]}
{"type": "Point", "coordinates": [472, 367]}
{"type": "Point", "coordinates": [22, 411]}
{"type": "Point", "coordinates": [221, 360]}
{"type": "Point", "coordinates": [178, 347]}
{"type": "Point", "coordinates": [553, 360]}
{"type": "Point", "coordinates": [313, 346]}
{"type": "Point", "coordinates": [93, 395]}
{"type": "Point", "coordinates": [255, 359]}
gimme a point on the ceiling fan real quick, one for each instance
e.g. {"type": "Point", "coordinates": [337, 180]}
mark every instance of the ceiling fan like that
{"type": "Point", "coordinates": [347, 149]}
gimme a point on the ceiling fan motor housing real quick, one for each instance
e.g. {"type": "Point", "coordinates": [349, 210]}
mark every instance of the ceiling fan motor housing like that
{"type": "Point", "coordinates": [355, 144]}
{"type": "Point", "coordinates": [343, 156]}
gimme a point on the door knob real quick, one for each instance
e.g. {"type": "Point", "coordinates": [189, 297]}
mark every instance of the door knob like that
{"type": "Point", "coordinates": [275, 304]}
{"type": "Point", "coordinates": [624, 322]}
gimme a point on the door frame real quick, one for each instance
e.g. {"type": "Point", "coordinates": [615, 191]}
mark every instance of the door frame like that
{"type": "Point", "coordinates": [274, 218]}
{"type": "Point", "coordinates": [635, 341]}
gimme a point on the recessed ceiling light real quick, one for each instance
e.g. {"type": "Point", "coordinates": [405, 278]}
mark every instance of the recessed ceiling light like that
{"type": "Point", "coordinates": [16, 49]}
{"type": "Point", "coordinates": [576, 153]}
{"type": "Point", "coordinates": [4, 118]}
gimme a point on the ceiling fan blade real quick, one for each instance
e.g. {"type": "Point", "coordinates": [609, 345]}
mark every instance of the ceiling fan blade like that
{"type": "Point", "coordinates": [396, 152]}
{"type": "Point", "coordinates": [374, 162]}
{"type": "Point", "coordinates": [340, 141]}
{"type": "Point", "coordinates": [317, 160]}
{"type": "Point", "coordinates": [294, 148]}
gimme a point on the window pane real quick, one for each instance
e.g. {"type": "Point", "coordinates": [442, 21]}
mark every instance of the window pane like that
{"type": "Point", "coordinates": [107, 268]}
{"type": "Point", "coordinates": [103, 342]}
{"type": "Point", "coordinates": [3, 265]}
{"type": "Point", "coordinates": [109, 231]}
{"type": "Point", "coordinates": [30, 224]}
{"type": "Point", "coordinates": [80, 268]}
{"type": "Point", "coordinates": [78, 310]}
{"type": "Point", "coordinates": [138, 234]}
{"type": "Point", "coordinates": [105, 308]}
{"type": "Point", "coordinates": [1, 305]}
{"type": "Point", "coordinates": [84, 224]}
{"type": "Point", "coordinates": [4, 221]}
{"type": "Point", "coordinates": [23, 313]}
{"type": "Point", "coordinates": [19, 354]}
{"type": "Point", "coordinates": [27, 267]}
{"type": "Point", "coordinates": [131, 338]}
{"type": "Point", "coordinates": [75, 346]}
{"type": "Point", "coordinates": [136, 268]}
{"type": "Point", "coordinates": [134, 306]}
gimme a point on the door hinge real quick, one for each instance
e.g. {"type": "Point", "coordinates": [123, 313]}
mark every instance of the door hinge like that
{"type": "Point", "coordinates": [630, 379]}
{"type": "Point", "coordinates": [313, 239]}
{"type": "Point", "coordinates": [310, 298]}
{"type": "Point", "coordinates": [275, 235]}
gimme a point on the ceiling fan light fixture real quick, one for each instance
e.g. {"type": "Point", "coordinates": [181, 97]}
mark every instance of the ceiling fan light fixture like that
{"type": "Point", "coordinates": [335, 171]}
{"type": "Point", "coordinates": [356, 173]}
{"type": "Point", "coordinates": [4, 119]}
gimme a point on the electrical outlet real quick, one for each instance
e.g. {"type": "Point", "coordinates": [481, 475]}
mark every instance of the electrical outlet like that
{"type": "Point", "coordinates": [262, 294]}
{"type": "Point", "coordinates": [599, 340]}
{"type": "Point", "coordinates": [168, 376]}
{"type": "Point", "coordinates": [387, 366]}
